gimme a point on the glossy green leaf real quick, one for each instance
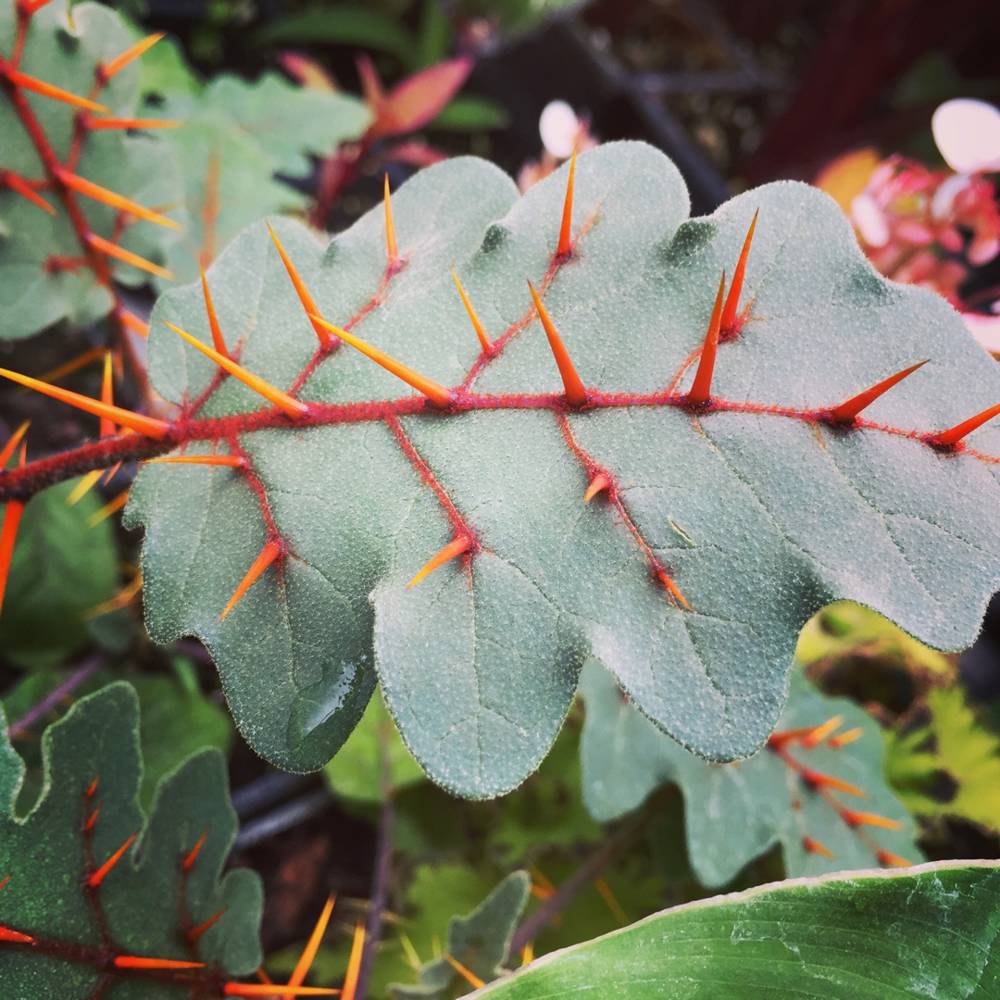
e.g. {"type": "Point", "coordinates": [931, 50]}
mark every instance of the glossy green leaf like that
{"type": "Point", "coordinates": [479, 941]}
{"type": "Point", "coordinates": [37, 288]}
{"type": "Point", "coordinates": [146, 902]}
{"type": "Point", "coordinates": [63, 567]}
{"type": "Point", "coordinates": [736, 812]}
{"type": "Point", "coordinates": [930, 931]}
{"type": "Point", "coordinates": [762, 518]}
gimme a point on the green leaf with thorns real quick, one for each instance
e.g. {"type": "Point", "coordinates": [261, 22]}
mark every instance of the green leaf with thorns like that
{"type": "Point", "coordinates": [818, 790]}
{"type": "Point", "coordinates": [96, 897]}
{"type": "Point", "coordinates": [74, 183]}
{"type": "Point", "coordinates": [724, 511]}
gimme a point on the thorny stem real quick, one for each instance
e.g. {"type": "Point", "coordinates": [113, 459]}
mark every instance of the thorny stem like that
{"type": "Point", "coordinates": [80, 676]}
{"type": "Point", "coordinates": [582, 877]}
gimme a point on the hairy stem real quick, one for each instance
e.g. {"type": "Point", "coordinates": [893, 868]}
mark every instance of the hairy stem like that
{"type": "Point", "coordinates": [79, 676]}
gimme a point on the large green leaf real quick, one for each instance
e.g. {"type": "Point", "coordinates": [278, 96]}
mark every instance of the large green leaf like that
{"type": "Point", "coordinates": [762, 515]}
{"type": "Point", "coordinates": [930, 931]}
{"type": "Point", "coordinates": [147, 902]}
{"type": "Point", "coordinates": [235, 138]}
{"type": "Point", "coordinates": [735, 812]}
{"type": "Point", "coordinates": [65, 51]}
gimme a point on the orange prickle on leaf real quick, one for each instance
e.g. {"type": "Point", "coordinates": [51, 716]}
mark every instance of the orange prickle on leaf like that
{"type": "Point", "coordinates": [105, 870]}
{"type": "Point", "coordinates": [308, 955]}
{"type": "Point", "coordinates": [477, 325]}
{"type": "Point", "coordinates": [232, 461]}
{"type": "Point", "coordinates": [598, 484]}
{"type": "Point", "coordinates": [816, 736]}
{"type": "Point", "coordinates": [814, 846]}
{"type": "Point", "coordinates": [104, 246]}
{"type": "Point", "coordinates": [701, 388]}
{"type": "Point", "coordinates": [576, 393]}
{"type": "Point", "coordinates": [846, 412]}
{"type": "Point", "coordinates": [49, 90]}
{"type": "Point", "coordinates": [12, 442]}
{"type": "Point", "coordinates": [853, 818]}
{"type": "Point", "coordinates": [391, 250]}
{"type": "Point", "coordinates": [14, 937]}
{"type": "Point", "coordinates": [107, 197]}
{"type": "Point", "coordinates": [820, 780]}
{"type": "Point", "coordinates": [354, 963]}
{"type": "Point", "coordinates": [449, 552]}
{"type": "Point", "coordinates": [272, 990]}
{"type": "Point", "coordinates": [151, 964]}
{"type": "Point", "coordinates": [565, 246]}
{"type": "Point", "coordinates": [138, 123]}
{"type": "Point", "coordinates": [8, 536]}
{"type": "Point", "coordinates": [891, 860]}
{"type": "Point", "coordinates": [308, 304]}
{"type": "Point", "coordinates": [434, 391]}
{"type": "Point", "coordinates": [465, 972]}
{"type": "Point", "coordinates": [729, 322]}
{"type": "Point", "coordinates": [213, 319]}
{"type": "Point", "coordinates": [848, 736]}
{"type": "Point", "coordinates": [268, 554]}
{"type": "Point", "coordinates": [293, 407]}
{"type": "Point", "coordinates": [951, 437]}
{"type": "Point", "coordinates": [20, 186]}
{"type": "Point", "coordinates": [113, 67]}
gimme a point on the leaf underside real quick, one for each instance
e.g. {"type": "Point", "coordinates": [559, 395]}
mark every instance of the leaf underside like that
{"type": "Point", "coordinates": [760, 517]}
{"type": "Point", "coordinates": [736, 812]}
{"type": "Point", "coordinates": [147, 903]}
{"type": "Point", "coordinates": [931, 931]}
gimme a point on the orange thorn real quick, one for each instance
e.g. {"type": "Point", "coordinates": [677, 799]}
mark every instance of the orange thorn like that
{"type": "Point", "coordinates": [109, 69]}
{"type": "Point", "coordinates": [312, 310]}
{"type": "Point", "coordinates": [4, 882]}
{"type": "Point", "coordinates": [390, 230]}
{"type": "Point", "coordinates": [104, 246]}
{"type": "Point", "coordinates": [305, 961]}
{"type": "Point", "coordinates": [132, 322]}
{"type": "Point", "coordinates": [846, 412]}
{"type": "Point", "coordinates": [270, 990]}
{"type": "Point", "coordinates": [477, 325]}
{"type": "Point", "coordinates": [83, 487]}
{"type": "Point", "coordinates": [848, 736]}
{"type": "Point", "coordinates": [675, 592]}
{"type": "Point", "coordinates": [32, 6]}
{"type": "Point", "coordinates": [597, 484]}
{"type": "Point", "coordinates": [12, 442]}
{"type": "Point", "coordinates": [107, 197]}
{"type": "Point", "coordinates": [540, 891]}
{"type": "Point", "coordinates": [111, 507]}
{"type": "Point", "coordinates": [819, 733]}
{"type": "Point", "coordinates": [293, 407]}
{"type": "Point", "coordinates": [122, 599]}
{"type": "Point", "coordinates": [611, 901]}
{"type": "Point", "coordinates": [213, 320]}
{"type": "Point", "coordinates": [25, 190]}
{"type": "Point", "coordinates": [192, 856]}
{"type": "Point", "coordinates": [102, 873]}
{"type": "Point", "coordinates": [92, 787]}
{"type": "Point", "coordinates": [141, 962]}
{"type": "Point", "coordinates": [892, 860]}
{"type": "Point", "coordinates": [852, 818]}
{"type": "Point", "coordinates": [576, 394]}
{"type": "Point", "coordinates": [74, 364]}
{"type": "Point", "coordinates": [91, 820]}
{"type": "Point", "coordinates": [107, 425]}
{"type": "Point", "coordinates": [951, 437]}
{"type": "Point", "coordinates": [145, 123]}
{"type": "Point", "coordinates": [527, 954]}
{"type": "Point", "coordinates": [814, 846]}
{"type": "Point", "coordinates": [234, 461]}
{"type": "Point", "coordinates": [819, 780]}
{"type": "Point", "coordinates": [50, 90]}
{"type": "Point", "coordinates": [449, 552]}
{"type": "Point", "coordinates": [14, 937]}
{"type": "Point", "coordinates": [268, 554]}
{"type": "Point", "coordinates": [728, 322]}
{"type": "Point", "coordinates": [779, 738]}
{"type": "Point", "coordinates": [195, 933]}
{"type": "Point", "coordinates": [565, 246]}
{"type": "Point", "coordinates": [701, 389]}
{"type": "Point", "coordinates": [354, 962]}
{"type": "Point", "coordinates": [8, 536]}
{"type": "Point", "coordinates": [141, 424]}
{"type": "Point", "coordinates": [434, 391]}
{"type": "Point", "coordinates": [466, 973]}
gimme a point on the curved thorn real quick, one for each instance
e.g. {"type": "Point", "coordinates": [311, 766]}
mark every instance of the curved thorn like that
{"type": "Point", "coordinates": [116, 65]}
{"type": "Point", "coordinates": [951, 437]}
{"type": "Point", "coordinates": [450, 551]}
{"type": "Point", "coordinates": [141, 962]}
{"type": "Point", "coordinates": [20, 186]}
{"type": "Point", "coordinates": [12, 442]}
{"type": "Point", "coordinates": [853, 818]}
{"type": "Point", "coordinates": [141, 424]}
{"type": "Point", "coordinates": [303, 965]}
{"type": "Point", "coordinates": [102, 873]}
{"type": "Point", "coordinates": [701, 388]}
{"type": "Point", "coordinates": [597, 484]}
{"type": "Point", "coordinates": [50, 90]}
{"type": "Point", "coordinates": [104, 246]}
{"type": "Point", "coordinates": [814, 846]}
{"type": "Point", "coordinates": [268, 554]}
{"type": "Point", "coordinates": [232, 461]}
{"type": "Point", "coordinates": [108, 197]}
{"type": "Point", "coordinates": [846, 412]}
{"type": "Point", "coordinates": [565, 246]}
{"type": "Point", "coordinates": [576, 393]}
{"type": "Point", "coordinates": [213, 319]}
{"type": "Point", "coordinates": [390, 230]}
{"type": "Point", "coordinates": [293, 407]}
{"type": "Point", "coordinates": [302, 292]}
{"type": "Point", "coordinates": [434, 391]}
{"type": "Point", "coordinates": [477, 325]}
{"type": "Point", "coordinates": [728, 322]}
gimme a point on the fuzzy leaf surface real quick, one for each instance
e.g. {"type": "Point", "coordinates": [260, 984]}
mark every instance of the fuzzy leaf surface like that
{"type": "Point", "coordinates": [139, 907]}
{"type": "Point", "coordinates": [762, 517]}
{"type": "Point", "coordinates": [65, 52]}
{"type": "Point", "coordinates": [928, 931]}
{"type": "Point", "coordinates": [735, 812]}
